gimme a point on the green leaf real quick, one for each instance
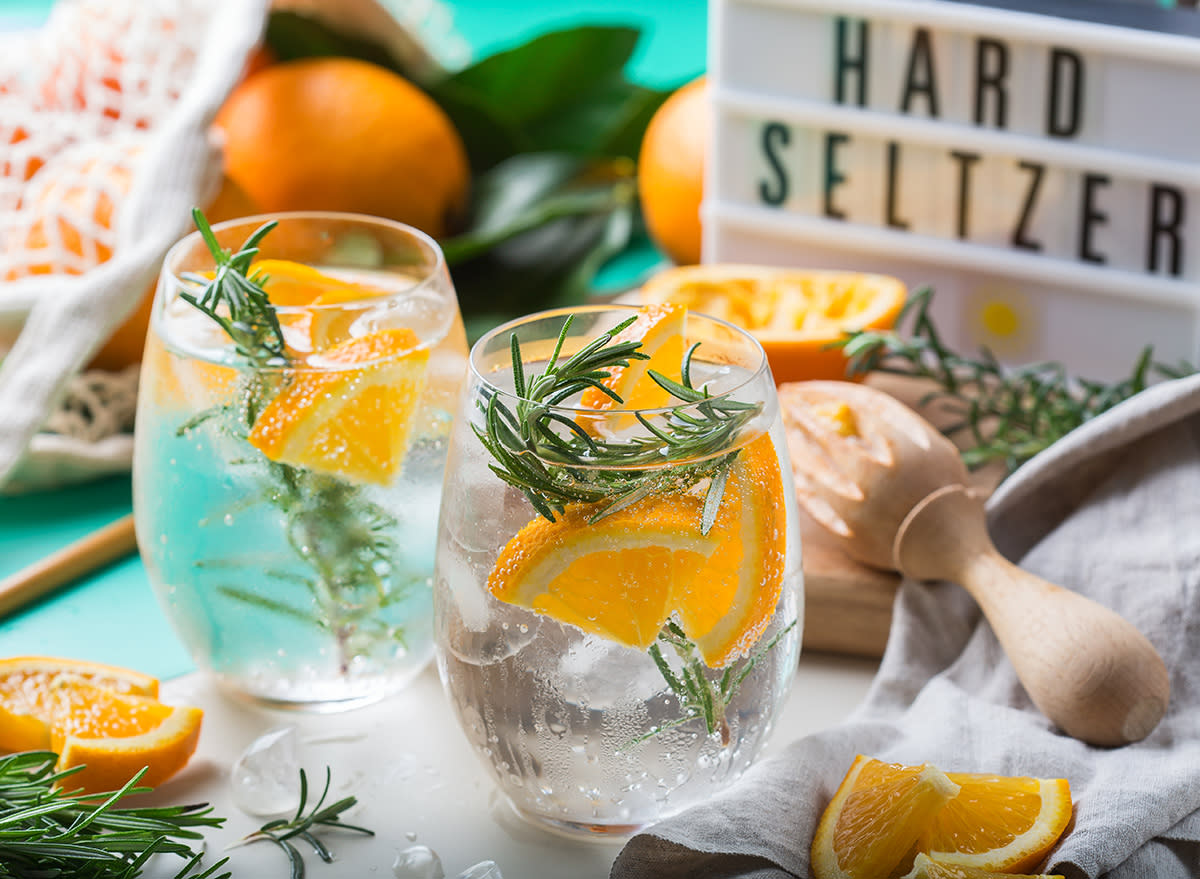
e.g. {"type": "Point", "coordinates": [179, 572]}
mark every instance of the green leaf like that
{"type": "Point", "coordinates": [563, 91]}
{"type": "Point", "coordinates": [549, 73]}
{"type": "Point", "coordinates": [291, 35]}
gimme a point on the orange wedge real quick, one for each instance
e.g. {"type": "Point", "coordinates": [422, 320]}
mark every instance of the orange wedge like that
{"type": "Point", "coordinates": [25, 694]}
{"type": "Point", "coordinates": [295, 285]}
{"type": "Point", "coordinates": [103, 718]}
{"type": "Point", "coordinates": [999, 823]}
{"type": "Point", "coordinates": [795, 314]}
{"type": "Point", "coordinates": [660, 329]}
{"type": "Point", "coordinates": [875, 816]}
{"type": "Point", "coordinates": [925, 867]}
{"type": "Point", "coordinates": [351, 417]}
{"type": "Point", "coordinates": [622, 576]}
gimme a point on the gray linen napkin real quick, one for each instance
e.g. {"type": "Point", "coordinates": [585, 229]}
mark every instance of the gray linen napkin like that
{"type": "Point", "coordinates": [1112, 511]}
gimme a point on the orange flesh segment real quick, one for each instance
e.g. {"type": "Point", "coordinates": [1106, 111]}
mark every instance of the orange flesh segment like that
{"type": "Point", "coordinates": [351, 419]}
{"type": "Point", "coordinates": [660, 329]}
{"type": "Point", "coordinates": [104, 718]}
{"type": "Point", "coordinates": [622, 576]}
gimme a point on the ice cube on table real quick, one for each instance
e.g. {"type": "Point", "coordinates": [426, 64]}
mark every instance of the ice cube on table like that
{"type": "Point", "coordinates": [418, 862]}
{"type": "Point", "coordinates": [265, 779]}
{"type": "Point", "coordinates": [482, 870]}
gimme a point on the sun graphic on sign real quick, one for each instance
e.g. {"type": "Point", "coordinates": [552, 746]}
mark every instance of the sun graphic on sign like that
{"type": "Point", "coordinates": [1003, 320]}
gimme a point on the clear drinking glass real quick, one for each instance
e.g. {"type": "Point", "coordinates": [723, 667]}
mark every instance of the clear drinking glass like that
{"type": "Point", "coordinates": [628, 658]}
{"type": "Point", "coordinates": [285, 505]}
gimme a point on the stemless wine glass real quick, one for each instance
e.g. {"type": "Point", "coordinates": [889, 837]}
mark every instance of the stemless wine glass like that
{"type": "Point", "coordinates": [618, 595]}
{"type": "Point", "coordinates": [286, 485]}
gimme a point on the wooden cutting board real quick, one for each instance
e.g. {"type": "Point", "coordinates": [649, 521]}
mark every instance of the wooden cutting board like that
{"type": "Point", "coordinates": [848, 606]}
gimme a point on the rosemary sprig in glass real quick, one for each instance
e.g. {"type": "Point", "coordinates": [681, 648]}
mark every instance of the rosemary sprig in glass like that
{"type": "Point", "coordinates": [344, 541]}
{"type": "Point", "coordinates": [46, 830]}
{"type": "Point", "coordinates": [554, 461]}
{"type": "Point", "coordinates": [283, 830]}
{"type": "Point", "coordinates": [1003, 414]}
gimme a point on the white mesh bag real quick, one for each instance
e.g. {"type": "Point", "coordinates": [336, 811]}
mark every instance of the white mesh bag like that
{"type": "Point", "coordinates": [104, 120]}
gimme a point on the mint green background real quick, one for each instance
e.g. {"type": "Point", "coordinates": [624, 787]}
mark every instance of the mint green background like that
{"type": "Point", "coordinates": [112, 615]}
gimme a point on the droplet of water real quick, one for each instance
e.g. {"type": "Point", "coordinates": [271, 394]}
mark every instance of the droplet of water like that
{"type": "Point", "coordinates": [228, 520]}
{"type": "Point", "coordinates": [265, 779]}
{"type": "Point", "coordinates": [418, 862]}
{"type": "Point", "coordinates": [411, 836]}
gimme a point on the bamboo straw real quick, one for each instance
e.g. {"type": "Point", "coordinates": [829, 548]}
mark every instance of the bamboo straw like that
{"type": "Point", "coordinates": [101, 547]}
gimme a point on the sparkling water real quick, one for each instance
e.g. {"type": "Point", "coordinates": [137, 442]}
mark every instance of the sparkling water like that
{"type": "Point", "coordinates": [313, 590]}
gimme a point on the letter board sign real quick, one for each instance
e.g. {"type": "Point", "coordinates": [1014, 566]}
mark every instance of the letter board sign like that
{"type": "Point", "coordinates": [1041, 171]}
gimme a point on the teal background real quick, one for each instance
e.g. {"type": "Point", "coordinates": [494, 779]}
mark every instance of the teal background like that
{"type": "Point", "coordinates": [112, 615]}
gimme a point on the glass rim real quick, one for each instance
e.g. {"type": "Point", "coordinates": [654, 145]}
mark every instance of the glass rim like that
{"type": "Point", "coordinates": [427, 241]}
{"type": "Point", "coordinates": [753, 375]}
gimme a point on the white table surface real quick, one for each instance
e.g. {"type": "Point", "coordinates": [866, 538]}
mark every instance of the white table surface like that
{"type": "Point", "coordinates": [419, 783]}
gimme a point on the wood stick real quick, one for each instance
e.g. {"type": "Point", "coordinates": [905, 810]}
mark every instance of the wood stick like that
{"type": "Point", "coordinates": [101, 547]}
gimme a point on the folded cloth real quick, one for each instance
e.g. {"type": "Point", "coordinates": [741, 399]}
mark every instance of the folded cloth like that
{"type": "Point", "coordinates": [1112, 511]}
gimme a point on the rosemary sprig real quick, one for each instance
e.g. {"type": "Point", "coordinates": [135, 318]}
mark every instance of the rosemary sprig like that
{"type": "Point", "coordinates": [346, 541]}
{"type": "Point", "coordinates": [47, 831]}
{"type": "Point", "coordinates": [236, 302]}
{"type": "Point", "coordinates": [1003, 414]}
{"type": "Point", "coordinates": [283, 830]}
{"type": "Point", "coordinates": [554, 460]}
{"type": "Point", "coordinates": [699, 694]}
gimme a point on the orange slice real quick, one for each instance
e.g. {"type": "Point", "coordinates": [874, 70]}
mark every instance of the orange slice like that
{"type": "Point", "coordinates": [103, 718]}
{"type": "Point", "coordinates": [925, 867]}
{"type": "Point", "coordinates": [795, 314]}
{"type": "Point", "coordinates": [25, 688]}
{"type": "Point", "coordinates": [875, 816]}
{"type": "Point", "coordinates": [295, 285]}
{"type": "Point", "coordinates": [660, 330]}
{"type": "Point", "coordinates": [999, 823]}
{"type": "Point", "coordinates": [622, 576]}
{"type": "Point", "coordinates": [351, 417]}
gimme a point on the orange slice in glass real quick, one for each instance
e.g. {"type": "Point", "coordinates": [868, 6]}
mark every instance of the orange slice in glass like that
{"type": "Point", "coordinates": [795, 314]}
{"type": "Point", "coordinates": [103, 718]}
{"type": "Point", "coordinates": [622, 576]}
{"type": "Point", "coordinates": [925, 867]}
{"type": "Point", "coordinates": [295, 285]}
{"type": "Point", "coordinates": [999, 823]}
{"type": "Point", "coordinates": [660, 330]}
{"type": "Point", "coordinates": [350, 417]}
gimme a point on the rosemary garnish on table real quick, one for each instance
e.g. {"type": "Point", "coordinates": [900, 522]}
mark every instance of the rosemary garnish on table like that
{"type": "Point", "coordinates": [283, 830]}
{"type": "Point", "coordinates": [1005, 414]}
{"type": "Point", "coordinates": [554, 460]}
{"type": "Point", "coordinates": [48, 831]}
{"type": "Point", "coordinates": [343, 538]}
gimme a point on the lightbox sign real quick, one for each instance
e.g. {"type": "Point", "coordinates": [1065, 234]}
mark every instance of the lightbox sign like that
{"type": "Point", "coordinates": [1041, 172]}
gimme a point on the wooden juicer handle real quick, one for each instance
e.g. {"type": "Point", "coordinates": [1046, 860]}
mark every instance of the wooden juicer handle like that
{"type": "Point", "coordinates": [1085, 667]}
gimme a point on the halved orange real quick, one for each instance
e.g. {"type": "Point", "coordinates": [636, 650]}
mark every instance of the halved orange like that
{"type": "Point", "coordinates": [351, 416]}
{"type": "Point", "coordinates": [875, 816]}
{"type": "Point", "coordinates": [1000, 823]}
{"type": "Point", "coordinates": [794, 313]}
{"type": "Point", "coordinates": [103, 718]}
{"type": "Point", "coordinates": [660, 330]}
{"type": "Point", "coordinates": [622, 576]}
{"type": "Point", "coordinates": [925, 867]}
{"type": "Point", "coordinates": [25, 694]}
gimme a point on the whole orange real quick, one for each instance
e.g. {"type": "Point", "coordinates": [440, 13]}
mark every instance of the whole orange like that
{"type": "Point", "coordinates": [344, 135]}
{"type": "Point", "coordinates": [671, 172]}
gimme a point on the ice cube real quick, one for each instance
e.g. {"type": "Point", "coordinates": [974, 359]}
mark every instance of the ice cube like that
{"type": "Point", "coordinates": [418, 862]}
{"type": "Point", "coordinates": [265, 779]}
{"type": "Point", "coordinates": [482, 870]}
